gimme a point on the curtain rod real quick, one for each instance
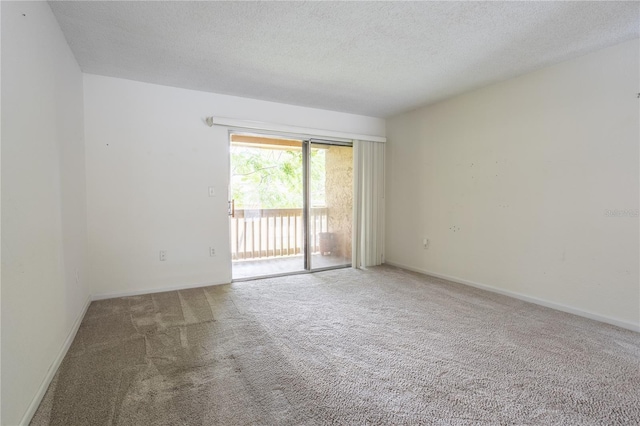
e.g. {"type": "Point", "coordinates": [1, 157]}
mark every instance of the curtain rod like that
{"type": "Point", "coordinates": [258, 125]}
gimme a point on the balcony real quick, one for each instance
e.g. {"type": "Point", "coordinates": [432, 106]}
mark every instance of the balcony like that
{"type": "Point", "coordinates": [271, 241]}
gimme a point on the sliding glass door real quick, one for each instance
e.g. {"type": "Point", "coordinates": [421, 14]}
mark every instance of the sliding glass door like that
{"type": "Point", "coordinates": [330, 175]}
{"type": "Point", "coordinates": [266, 206]}
{"type": "Point", "coordinates": [291, 205]}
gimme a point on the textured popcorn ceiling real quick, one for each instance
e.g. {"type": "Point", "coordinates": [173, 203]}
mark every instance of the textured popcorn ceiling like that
{"type": "Point", "coordinates": [372, 58]}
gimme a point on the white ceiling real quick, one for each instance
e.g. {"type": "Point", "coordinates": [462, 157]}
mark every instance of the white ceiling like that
{"type": "Point", "coordinates": [371, 58]}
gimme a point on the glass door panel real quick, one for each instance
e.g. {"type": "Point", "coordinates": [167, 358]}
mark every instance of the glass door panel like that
{"type": "Point", "coordinates": [266, 210]}
{"type": "Point", "coordinates": [330, 204]}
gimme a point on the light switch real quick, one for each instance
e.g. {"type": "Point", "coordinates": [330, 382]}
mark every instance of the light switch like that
{"type": "Point", "coordinates": [212, 191]}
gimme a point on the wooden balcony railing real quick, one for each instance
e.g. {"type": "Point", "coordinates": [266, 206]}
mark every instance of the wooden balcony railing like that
{"type": "Point", "coordinates": [274, 232]}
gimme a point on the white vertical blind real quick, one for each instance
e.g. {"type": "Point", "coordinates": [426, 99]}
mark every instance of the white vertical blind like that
{"type": "Point", "coordinates": [368, 229]}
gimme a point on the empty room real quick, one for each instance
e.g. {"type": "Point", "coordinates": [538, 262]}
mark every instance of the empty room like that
{"type": "Point", "coordinates": [310, 213]}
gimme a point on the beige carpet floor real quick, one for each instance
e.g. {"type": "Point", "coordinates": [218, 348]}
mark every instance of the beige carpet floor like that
{"type": "Point", "coordinates": [382, 346]}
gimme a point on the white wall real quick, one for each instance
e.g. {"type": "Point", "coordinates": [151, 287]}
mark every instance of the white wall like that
{"type": "Point", "coordinates": [43, 200]}
{"type": "Point", "coordinates": [511, 182]}
{"type": "Point", "coordinates": [150, 161]}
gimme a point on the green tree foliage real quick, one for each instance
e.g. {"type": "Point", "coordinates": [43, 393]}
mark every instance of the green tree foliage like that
{"type": "Point", "coordinates": [272, 178]}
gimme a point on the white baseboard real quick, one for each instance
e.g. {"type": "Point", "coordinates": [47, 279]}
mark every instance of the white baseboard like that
{"type": "Point", "coordinates": [102, 296]}
{"type": "Point", "coordinates": [553, 305]}
{"type": "Point", "coordinates": [35, 403]}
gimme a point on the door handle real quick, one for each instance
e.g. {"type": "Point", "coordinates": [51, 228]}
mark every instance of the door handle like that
{"type": "Point", "coordinates": [232, 208]}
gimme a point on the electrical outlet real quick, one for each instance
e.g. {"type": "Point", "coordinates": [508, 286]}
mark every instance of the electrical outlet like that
{"type": "Point", "coordinates": [425, 243]}
{"type": "Point", "coordinates": [163, 255]}
{"type": "Point", "coordinates": [212, 251]}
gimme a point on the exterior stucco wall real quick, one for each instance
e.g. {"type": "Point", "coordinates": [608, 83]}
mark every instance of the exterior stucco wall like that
{"type": "Point", "coordinates": [339, 196]}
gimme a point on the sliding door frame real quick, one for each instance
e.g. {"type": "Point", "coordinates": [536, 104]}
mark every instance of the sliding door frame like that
{"type": "Point", "coordinates": [306, 203]}
{"type": "Point", "coordinates": [306, 142]}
